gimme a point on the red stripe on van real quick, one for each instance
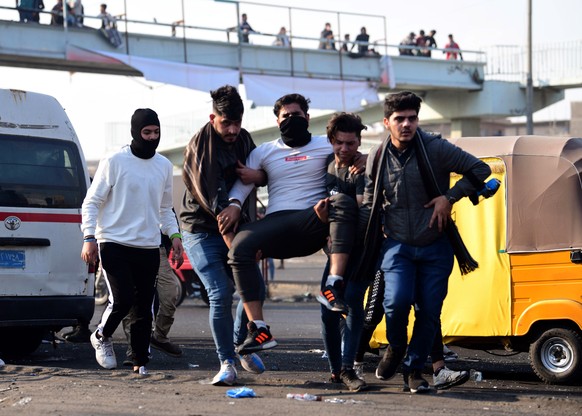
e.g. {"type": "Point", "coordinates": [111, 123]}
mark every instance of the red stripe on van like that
{"type": "Point", "coordinates": [74, 218]}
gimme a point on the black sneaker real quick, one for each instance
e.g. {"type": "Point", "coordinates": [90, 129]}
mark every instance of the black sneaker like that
{"type": "Point", "coordinates": [335, 378]}
{"type": "Point", "coordinates": [415, 383]}
{"type": "Point", "coordinates": [331, 298]}
{"type": "Point", "coordinates": [389, 363]}
{"type": "Point", "coordinates": [258, 339]}
{"type": "Point", "coordinates": [166, 347]}
{"type": "Point", "coordinates": [352, 381]}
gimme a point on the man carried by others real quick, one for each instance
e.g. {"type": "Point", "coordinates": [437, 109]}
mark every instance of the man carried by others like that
{"type": "Point", "coordinates": [295, 165]}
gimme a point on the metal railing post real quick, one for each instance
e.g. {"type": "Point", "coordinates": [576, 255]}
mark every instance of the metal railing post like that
{"type": "Point", "coordinates": [184, 33]}
{"type": "Point", "coordinates": [529, 85]}
{"type": "Point", "coordinates": [339, 49]}
{"type": "Point", "coordinates": [126, 32]}
{"type": "Point", "coordinates": [291, 44]}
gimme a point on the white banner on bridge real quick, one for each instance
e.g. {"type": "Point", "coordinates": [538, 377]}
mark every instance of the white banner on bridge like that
{"type": "Point", "coordinates": [263, 90]}
{"type": "Point", "coordinates": [324, 94]}
{"type": "Point", "coordinates": [196, 77]}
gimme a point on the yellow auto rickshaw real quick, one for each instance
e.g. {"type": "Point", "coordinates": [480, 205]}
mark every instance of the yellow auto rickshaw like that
{"type": "Point", "coordinates": [526, 294]}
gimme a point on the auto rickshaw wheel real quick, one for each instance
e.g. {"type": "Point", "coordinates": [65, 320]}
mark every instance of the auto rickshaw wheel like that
{"type": "Point", "coordinates": [556, 356]}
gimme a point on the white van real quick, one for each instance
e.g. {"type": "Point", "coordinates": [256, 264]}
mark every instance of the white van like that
{"type": "Point", "coordinates": [44, 284]}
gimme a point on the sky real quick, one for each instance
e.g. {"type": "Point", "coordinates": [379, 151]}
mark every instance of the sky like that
{"type": "Point", "coordinates": [92, 100]}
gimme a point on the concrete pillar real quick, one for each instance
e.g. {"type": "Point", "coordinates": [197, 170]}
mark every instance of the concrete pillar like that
{"type": "Point", "coordinates": [576, 119]}
{"type": "Point", "coordinates": [465, 127]}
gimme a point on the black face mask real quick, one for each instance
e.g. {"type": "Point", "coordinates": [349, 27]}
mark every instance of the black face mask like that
{"type": "Point", "coordinates": [144, 149]}
{"type": "Point", "coordinates": [294, 131]}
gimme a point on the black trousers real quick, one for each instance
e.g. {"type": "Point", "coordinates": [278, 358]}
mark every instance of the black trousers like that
{"type": "Point", "coordinates": [131, 276]}
{"type": "Point", "coordinates": [288, 234]}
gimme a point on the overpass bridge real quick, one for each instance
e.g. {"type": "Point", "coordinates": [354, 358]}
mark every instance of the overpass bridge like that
{"type": "Point", "coordinates": [463, 92]}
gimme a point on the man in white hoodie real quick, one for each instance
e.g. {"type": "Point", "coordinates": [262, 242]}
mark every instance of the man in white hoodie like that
{"type": "Point", "coordinates": [129, 201]}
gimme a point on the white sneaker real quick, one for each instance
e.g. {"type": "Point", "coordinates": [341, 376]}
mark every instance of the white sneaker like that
{"type": "Point", "coordinates": [142, 371]}
{"type": "Point", "coordinates": [2, 364]}
{"type": "Point", "coordinates": [252, 363]}
{"type": "Point", "coordinates": [448, 378]}
{"type": "Point", "coordinates": [227, 374]}
{"type": "Point", "coordinates": [359, 369]}
{"type": "Point", "coordinates": [104, 353]}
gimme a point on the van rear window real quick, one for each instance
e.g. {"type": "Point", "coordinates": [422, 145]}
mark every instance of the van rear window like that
{"type": "Point", "coordinates": [40, 172]}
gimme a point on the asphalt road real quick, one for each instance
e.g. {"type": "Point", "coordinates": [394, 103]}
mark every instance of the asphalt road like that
{"type": "Point", "coordinates": [63, 378]}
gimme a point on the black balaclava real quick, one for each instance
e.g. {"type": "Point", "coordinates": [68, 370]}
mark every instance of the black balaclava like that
{"type": "Point", "coordinates": [294, 131]}
{"type": "Point", "coordinates": [144, 149]}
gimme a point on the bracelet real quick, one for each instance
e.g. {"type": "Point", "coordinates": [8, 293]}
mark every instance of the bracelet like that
{"type": "Point", "coordinates": [90, 240]}
{"type": "Point", "coordinates": [235, 204]}
{"type": "Point", "coordinates": [176, 235]}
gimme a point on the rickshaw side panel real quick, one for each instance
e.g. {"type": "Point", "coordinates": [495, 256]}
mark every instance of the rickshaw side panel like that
{"type": "Point", "coordinates": [545, 287]}
{"type": "Point", "coordinates": [485, 292]}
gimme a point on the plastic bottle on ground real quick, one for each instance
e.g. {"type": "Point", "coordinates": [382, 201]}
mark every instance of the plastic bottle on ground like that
{"type": "Point", "coordinates": [475, 375]}
{"type": "Point", "coordinates": [304, 397]}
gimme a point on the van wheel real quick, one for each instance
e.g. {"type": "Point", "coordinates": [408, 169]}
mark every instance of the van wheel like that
{"type": "Point", "coordinates": [18, 342]}
{"type": "Point", "coordinates": [556, 356]}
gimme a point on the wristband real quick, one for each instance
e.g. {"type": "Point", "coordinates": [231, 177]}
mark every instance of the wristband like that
{"type": "Point", "coordinates": [90, 240]}
{"type": "Point", "coordinates": [235, 204]}
{"type": "Point", "coordinates": [176, 235]}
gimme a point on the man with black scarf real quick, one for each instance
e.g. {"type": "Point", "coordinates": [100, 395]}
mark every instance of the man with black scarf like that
{"type": "Point", "coordinates": [295, 165]}
{"type": "Point", "coordinates": [127, 204]}
{"type": "Point", "coordinates": [406, 213]}
{"type": "Point", "coordinates": [213, 162]}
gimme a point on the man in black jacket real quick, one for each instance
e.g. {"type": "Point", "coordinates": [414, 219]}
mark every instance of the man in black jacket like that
{"type": "Point", "coordinates": [408, 200]}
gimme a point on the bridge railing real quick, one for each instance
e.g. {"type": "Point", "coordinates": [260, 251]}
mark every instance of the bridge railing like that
{"type": "Point", "coordinates": [128, 23]}
{"type": "Point", "coordinates": [556, 63]}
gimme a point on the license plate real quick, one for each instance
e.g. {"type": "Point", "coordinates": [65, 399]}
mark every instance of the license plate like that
{"type": "Point", "coordinates": [12, 259]}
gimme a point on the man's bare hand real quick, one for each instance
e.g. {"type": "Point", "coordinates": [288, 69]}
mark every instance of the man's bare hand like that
{"type": "Point", "coordinates": [177, 258]}
{"type": "Point", "coordinates": [322, 210]}
{"type": "Point", "coordinates": [248, 176]}
{"type": "Point", "coordinates": [228, 219]}
{"type": "Point", "coordinates": [441, 213]}
{"type": "Point", "coordinates": [359, 165]}
{"type": "Point", "coordinates": [89, 252]}
{"type": "Point", "coordinates": [228, 237]}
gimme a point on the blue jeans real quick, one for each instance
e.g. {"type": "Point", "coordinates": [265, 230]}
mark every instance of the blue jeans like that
{"type": "Point", "coordinates": [415, 276]}
{"type": "Point", "coordinates": [342, 339]}
{"type": "Point", "coordinates": [208, 254]}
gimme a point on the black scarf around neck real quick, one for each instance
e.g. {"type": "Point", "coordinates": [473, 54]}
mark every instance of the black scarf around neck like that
{"type": "Point", "coordinates": [466, 262]}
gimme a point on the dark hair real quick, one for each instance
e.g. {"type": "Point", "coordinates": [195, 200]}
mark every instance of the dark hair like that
{"type": "Point", "coordinates": [290, 99]}
{"type": "Point", "coordinates": [345, 122]}
{"type": "Point", "coordinates": [401, 101]}
{"type": "Point", "coordinates": [226, 102]}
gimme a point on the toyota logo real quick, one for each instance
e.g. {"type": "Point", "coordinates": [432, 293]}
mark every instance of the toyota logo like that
{"type": "Point", "coordinates": [12, 223]}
